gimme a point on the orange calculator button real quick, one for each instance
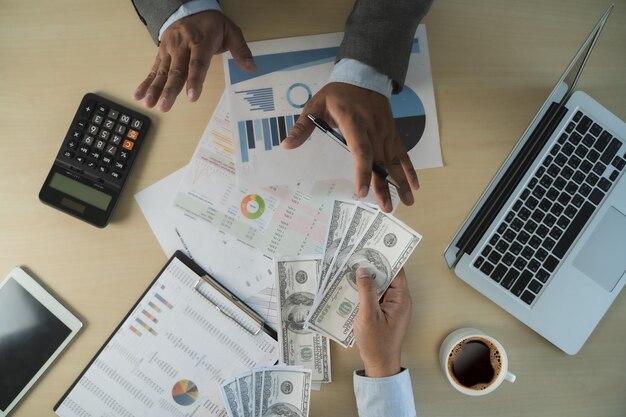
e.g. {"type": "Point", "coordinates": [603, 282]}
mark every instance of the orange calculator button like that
{"type": "Point", "coordinates": [128, 145]}
{"type": "Point", "coordinates": [132, 134]}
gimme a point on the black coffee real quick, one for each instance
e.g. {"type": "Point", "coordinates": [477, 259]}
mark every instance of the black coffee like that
{"type": "Point", "coordinates": [475, 363]}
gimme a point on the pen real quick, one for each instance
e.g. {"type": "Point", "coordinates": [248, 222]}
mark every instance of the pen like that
{"type": "Point", "coordinates": [330, 132]}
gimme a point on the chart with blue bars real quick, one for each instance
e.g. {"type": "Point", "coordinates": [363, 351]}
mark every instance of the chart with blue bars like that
{"type": "Point", "coordinates": [259, 98]}
{"type": "Point", "coordinates": [263, 133]}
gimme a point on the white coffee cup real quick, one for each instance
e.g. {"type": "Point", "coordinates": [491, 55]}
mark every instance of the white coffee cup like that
{"type": "Point", "coordinates": [461, 336]}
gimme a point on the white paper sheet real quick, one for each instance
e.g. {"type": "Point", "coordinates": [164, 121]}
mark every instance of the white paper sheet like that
{"type": "Point", "coordinates": [265, 103]}
{"type": "Point", "coordinates": [277, 221]}
{"type": "Point", "coordinates": [245, 271]}
{"type": "Point", "coordinates": [157, 363]}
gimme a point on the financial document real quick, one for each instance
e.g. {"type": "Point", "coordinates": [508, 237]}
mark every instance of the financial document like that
{"type": "Point", "coordinates": [276, 221]}
{"type": "Point", "coordinates": [245, 271]}
{"type": "Point", "coordinates": [266, 103]}
{"type": "Point", "coordinates": [159, 362]}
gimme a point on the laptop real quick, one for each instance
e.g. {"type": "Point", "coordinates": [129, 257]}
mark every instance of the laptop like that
{"type": "Point", "coordinates": [546, 240]}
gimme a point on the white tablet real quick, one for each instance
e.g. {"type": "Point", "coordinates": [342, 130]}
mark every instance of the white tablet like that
{"type": "Point", "coordinates": [34, 329]}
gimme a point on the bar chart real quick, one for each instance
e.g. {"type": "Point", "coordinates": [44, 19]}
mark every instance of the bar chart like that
{"type": "Point", "coordinates": [259, 98]}
{"type": "Point", "coordinates": [263, 133]}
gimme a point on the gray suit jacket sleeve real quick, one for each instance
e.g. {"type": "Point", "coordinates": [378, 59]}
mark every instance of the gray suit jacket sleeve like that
{"type": "Point", "coordinates": [380, 33]}
{"type": "Point", "coordinates": [153, 13]}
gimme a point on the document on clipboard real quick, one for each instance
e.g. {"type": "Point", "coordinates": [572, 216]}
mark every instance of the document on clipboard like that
{"type": "Point", "coordinates": [185, 336]}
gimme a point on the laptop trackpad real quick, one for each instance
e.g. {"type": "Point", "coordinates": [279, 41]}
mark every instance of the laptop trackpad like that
{"type": "Point", "coordinates": [603, 258]}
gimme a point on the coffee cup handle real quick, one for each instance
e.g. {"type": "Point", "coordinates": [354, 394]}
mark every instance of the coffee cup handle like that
{"type": "Point", "coordinates": [510, 376]}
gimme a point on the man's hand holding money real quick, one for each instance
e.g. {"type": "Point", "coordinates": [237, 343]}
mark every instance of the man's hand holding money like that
{"type": "Point", "coordinates": [380, 326]}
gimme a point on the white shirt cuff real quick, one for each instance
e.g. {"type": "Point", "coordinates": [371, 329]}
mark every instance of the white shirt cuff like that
{"type": "Point", "coordinates": [351, 71]}
{"type": "Point", "coordinates": [187, 9]}
{"type": "Point", "coordinates": [381, 397]}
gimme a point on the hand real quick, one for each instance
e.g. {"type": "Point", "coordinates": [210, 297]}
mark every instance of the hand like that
{"type": "Point", "coordinates": [185, 54]}
{"type": "Point", "coordinates": [365, 119]}
{"type": "Point", "coordinates": [380, 327]}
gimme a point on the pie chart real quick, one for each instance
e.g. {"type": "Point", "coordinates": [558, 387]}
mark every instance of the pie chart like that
{"type": "Point", "coordinates": [408, 111]}
{"type": "Point", "coordinates": [185, 392]}
{"type": "Point", "coordinates": [252, 206]}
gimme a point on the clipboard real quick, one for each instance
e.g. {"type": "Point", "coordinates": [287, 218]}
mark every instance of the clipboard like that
{"type": "Point", "coordinates": [205, 278]}
{"type": "Point", "coordinates": [201, 281]}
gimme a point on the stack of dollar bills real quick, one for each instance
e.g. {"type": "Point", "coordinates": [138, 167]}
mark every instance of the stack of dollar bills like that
{"type": "Point", "coordinates": [268, 391]}
{"type": "Point", "coordinates": [318, 297]}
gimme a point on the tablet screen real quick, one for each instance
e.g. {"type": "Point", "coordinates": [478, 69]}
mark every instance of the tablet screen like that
{"type": "Point", "coordinates": [29, 335]}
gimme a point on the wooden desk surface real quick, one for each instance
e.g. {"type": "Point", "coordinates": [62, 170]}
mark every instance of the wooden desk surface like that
{"type": "Point", "coordinates": [493, 63]}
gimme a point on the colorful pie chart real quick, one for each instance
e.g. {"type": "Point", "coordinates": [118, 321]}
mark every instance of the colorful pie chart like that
{"type": "Point", "coordinates": [252, 206]}
{"type": "Point", "coordinates": [185, 392]}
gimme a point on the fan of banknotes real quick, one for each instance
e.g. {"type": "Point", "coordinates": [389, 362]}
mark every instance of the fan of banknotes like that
{"type": "Point", "coordinates": [269, 391]}
{"type": "Point", "coordinates": [318, 298]}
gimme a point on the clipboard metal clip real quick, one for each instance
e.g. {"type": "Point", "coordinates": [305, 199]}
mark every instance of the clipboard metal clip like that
{"type": "Point", "coordinates": [247, 310]}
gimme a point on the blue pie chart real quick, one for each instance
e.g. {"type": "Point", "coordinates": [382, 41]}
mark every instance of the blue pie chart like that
{"type": "Point", "coordinates": [408, 111]}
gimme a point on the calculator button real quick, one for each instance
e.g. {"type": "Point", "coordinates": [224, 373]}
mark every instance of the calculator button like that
{"type": "Point", "coordinates": [102, 108]}
{"type": "Point", "coordinates": [71, 145]}
{"type": "Point", "coordinates": [82, 123]}
{"type": "Point", "coordinates": [115, 174]}
{"type": "Point", "coordinates": [111, 150]}
{"type": "Point", "coordinates": [109, 124]}
{"type": "Point", "coordinates": [95, 155]}
{"type": "Point", "coordinates": [113, 114]}
{"type": "Point", "coordinates": [83, 150]}
{"type": "Point", "coordinates": [88, 107]}
{"type": "Point", "coordinates": [88, 140]}
{"type": "Point", "coordinates": [125, 119]}
{"type": "Point", "coordinates": [107, 160]}
{"type": "Point", "coordinates": [103, 169]}
{"type": "Point", "coordinates": [124, 155]}
{"type": "Point", "coordinates": [97, 119]}
{"type": "Point", "coordinates": [128, 145]}
{"type": "Point", "coordinates": [120, 129]}
{"type": "Point", "coordinates": [80, 159]}
{"type": "Point", "coordinates": [119, 165]}
{"type": "Point", "coordinates": [116, 140]}
{"type": "Point", "coordinates": [93, 130]}
{"type": "Point", "coordinates": [136, 124]}
{"type": "Point", "coordinates": [76, 134]}
{"type": "Point", "coordinates": [132, 134]}
{"type": "Point", "coordinates": [104, 134]}
{"type": "Point", "coordinates": [91, 164]}
{"type": "Point", "coordinates": [68, 154]}
{"type": "Point", "coordinates": [100, 145]}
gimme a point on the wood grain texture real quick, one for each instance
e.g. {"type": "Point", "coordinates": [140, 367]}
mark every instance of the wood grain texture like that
{"type": "Point", "coordinates": [493, 64]}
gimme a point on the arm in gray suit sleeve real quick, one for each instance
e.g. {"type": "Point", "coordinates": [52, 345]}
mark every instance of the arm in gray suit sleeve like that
{"type": "Point", "coordinates": [154, 13]}
{"type": "Point", "coordinates": [380, 33]}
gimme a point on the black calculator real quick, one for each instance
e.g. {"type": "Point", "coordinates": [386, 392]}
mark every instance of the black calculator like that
{"type": "Point", "coordinates": [95, 159]}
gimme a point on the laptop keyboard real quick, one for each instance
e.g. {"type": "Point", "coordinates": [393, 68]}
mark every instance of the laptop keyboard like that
{"type": "Point", "coordinates": [557, 202]}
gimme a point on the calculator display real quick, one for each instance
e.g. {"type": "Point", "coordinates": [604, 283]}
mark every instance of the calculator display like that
{"type": "Point", "coordinates": [80, 191]}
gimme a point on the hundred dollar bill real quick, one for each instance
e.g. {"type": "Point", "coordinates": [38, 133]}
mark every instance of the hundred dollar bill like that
{"type": "Point", "coordinates": [296, 281]}
{"type": "Point", "coordinates": [362, 215]}
{"type": "Point", "coordinates": [244, 385]}
{"type": "Point", "coordinates": [286, 392]}
{"type": "Point", "coordinates": [383, 249]}
{"type": "Point", "coordinates": [257, 391]}
{"type": "Point", "coordinates": [339, 220]}
{"type": "Point", "coordinates": [230, 395]}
